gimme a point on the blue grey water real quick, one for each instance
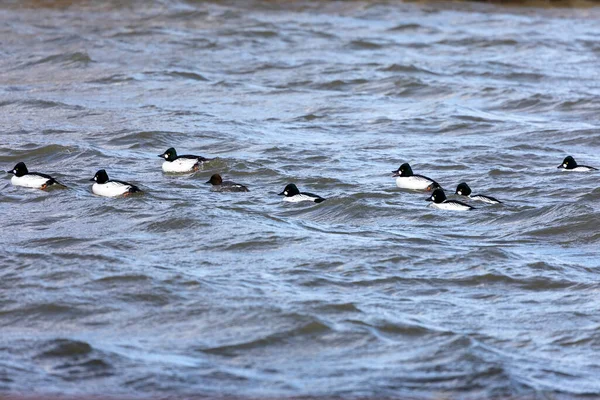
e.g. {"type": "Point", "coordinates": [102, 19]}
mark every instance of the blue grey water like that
{"type": "Point", "coordinates": [372, 293]}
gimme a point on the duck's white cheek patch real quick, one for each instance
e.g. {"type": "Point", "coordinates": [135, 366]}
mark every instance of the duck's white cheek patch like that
{"type": "Point", "coordinates": [285, 193]}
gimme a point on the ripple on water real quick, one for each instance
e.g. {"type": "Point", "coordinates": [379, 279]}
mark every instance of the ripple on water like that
{"type": "Point", "coordinates": [276, 339]}
{"type": "Point", "coordinates": [78, 59]}
{"type": "Point", "coordinates": [74, 360]}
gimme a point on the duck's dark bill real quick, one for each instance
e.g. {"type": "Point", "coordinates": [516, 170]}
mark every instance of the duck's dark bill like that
{"type": "Point", "coordinates": [281, 194]}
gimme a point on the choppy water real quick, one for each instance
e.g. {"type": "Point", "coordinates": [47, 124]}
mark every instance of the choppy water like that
{"type": "Point", "coordinates": [372, 293]}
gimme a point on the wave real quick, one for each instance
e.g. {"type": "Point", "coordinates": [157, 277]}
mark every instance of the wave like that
{"type": "Point", "coordinates": [66, 59]}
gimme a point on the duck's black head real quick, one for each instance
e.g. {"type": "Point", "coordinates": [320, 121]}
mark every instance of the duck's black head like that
{"type": "Point", "coordinates": [403, 170]}
{"type": "Point", "coordinates": [438, 196]}
{"type": "Point", "coordinates": [170, 154]}
{"type": "Point", "coordinates": [100, 177]}
{"type": "Point", "coordinates": [463, 189]}
{"type": "Point", "coordinates": [215, 179]}
{"type": "Point", "coordinates": [290, 190]}
{"type": "Point", "coordinates": [19, 170]}
{"type": "Point", "coordinates": [568, 163]}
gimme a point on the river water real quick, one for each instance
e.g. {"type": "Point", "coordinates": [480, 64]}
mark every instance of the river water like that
{"type": "Point", "coordinates": [183, 291]}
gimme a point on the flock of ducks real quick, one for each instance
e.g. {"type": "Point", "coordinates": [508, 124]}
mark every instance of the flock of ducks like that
{"type": "Point", "coordinates": [406, 179]}
{"type": "Point", "coordinates": [173, 163]}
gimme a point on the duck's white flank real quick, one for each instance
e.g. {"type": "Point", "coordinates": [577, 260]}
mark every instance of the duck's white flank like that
{"type": "Point", "coordinates": [180, 165]}
{"type": "Point", "coordinates": [110, 189]}
{"type": "Point", "coordinates": [30, 181]}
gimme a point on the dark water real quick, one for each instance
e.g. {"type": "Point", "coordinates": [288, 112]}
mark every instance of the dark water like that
{"type": "Point", "coordinates": [372, 293]}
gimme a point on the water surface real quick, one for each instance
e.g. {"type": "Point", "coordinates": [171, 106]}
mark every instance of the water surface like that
{"type": "Point", "coordinates": [371, 293]}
